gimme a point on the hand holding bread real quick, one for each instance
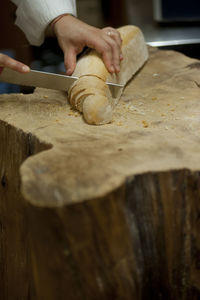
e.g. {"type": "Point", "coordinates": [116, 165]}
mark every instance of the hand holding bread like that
{"type": "Point", "coordinates": [73, 35]}
{"type": "Point", "coordinates": [90, 93]}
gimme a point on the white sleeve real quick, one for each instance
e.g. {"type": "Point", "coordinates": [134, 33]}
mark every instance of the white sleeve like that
{"type": "Point", "coordinates": [33, 16]}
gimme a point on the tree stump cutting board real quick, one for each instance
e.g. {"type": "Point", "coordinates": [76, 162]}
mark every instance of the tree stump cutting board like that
{"type": "Point", "coordinates": [104, 212]}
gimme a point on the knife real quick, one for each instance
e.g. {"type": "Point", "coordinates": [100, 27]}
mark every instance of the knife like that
{"type": "Point", "coordinates": [47, 80]}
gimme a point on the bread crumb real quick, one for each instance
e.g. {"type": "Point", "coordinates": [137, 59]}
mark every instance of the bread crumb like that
{"type": "Point", "coordinates": [45, 96]}
{"type": "Point", "coordinates": [154, 98]}
{"type": "Point", "coordinates": [145, 124]}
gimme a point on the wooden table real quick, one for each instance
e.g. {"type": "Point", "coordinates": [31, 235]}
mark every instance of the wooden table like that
{"type": "Point", "coordinates": [104, 212]}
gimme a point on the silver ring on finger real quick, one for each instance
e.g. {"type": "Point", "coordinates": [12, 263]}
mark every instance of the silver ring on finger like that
{"type": "Point", "coordinates": [109, 32]}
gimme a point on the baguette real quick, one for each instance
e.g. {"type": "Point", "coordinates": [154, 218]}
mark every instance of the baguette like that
{"type": "Point", "coordinates": [90, 94]}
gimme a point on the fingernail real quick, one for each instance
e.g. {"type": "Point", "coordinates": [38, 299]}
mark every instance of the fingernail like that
{"type": "Point", "coordinates": [112, 70]}
{"type": "Point", "coordinates": [117, 69]}
{"type": "Point", "coordinates": [121, 57]}
{"type": "Point", "coordinates": [69, 72]}
{"type": "Point", "coordinates": [25, 69]}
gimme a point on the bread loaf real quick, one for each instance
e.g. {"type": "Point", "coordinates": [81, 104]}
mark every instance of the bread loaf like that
{"type": "Point", "coordinates": [90, 94]}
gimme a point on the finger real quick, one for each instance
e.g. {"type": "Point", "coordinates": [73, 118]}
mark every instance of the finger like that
{"type": "Point", "coordinates": [117, 37]}
{"type": "Point", "coordinates": [6, 61]}
{"type": "Point", "coordinates": [107, 57]}
{"type": "Point", "coordinates": [103, 48]}
{"type": "Point", "coordinates": [115, 53]}
{"type": "Point", "coordinates": [114, 34]}
{"type": "Point", "coordinates": [70, 61]}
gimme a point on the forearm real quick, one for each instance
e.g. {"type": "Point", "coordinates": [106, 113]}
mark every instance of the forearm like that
{"type": "Point", "coordinates": [34, 16]}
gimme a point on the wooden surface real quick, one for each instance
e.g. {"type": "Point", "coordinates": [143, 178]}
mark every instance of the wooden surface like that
{"type": "Point", "coordinates": [108, 212]}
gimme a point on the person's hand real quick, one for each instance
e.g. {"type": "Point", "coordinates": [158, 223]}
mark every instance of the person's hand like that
{"type": "Point", "coordinates": [6, 61]}
{"type": "Point", "coordinates": [73, 35]}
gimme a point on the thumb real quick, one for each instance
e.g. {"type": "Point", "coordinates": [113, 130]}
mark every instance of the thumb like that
{"type": "Point", "coordinates": [70, 61]}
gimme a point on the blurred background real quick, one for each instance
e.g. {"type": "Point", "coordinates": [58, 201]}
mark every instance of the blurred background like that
{"type": "Point", "coordinates": [167, 24]}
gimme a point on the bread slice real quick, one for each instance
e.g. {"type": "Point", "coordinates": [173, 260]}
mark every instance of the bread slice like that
{"type": "Point", "coordinates": [90, 94]}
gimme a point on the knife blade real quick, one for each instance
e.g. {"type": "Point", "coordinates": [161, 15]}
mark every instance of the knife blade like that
{"type": "Point", "coordinates": [46, 80]}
